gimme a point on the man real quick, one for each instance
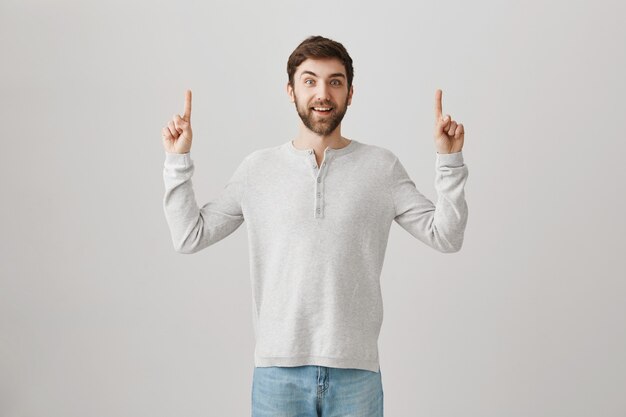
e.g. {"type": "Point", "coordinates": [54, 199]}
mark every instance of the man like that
{"type": "Point", "coordinates": [318, 210]}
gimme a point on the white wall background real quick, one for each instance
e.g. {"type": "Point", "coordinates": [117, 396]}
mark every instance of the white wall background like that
{"type": "Point", "coordinates": [100, 317]}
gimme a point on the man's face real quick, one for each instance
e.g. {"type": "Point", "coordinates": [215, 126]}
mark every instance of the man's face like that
{"type": "Point", "coordinates": [321, 83]}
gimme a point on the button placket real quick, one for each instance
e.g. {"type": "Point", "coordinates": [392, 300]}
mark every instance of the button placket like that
{"type": "Point", "coordinates": [318, 202]}
{"type": "Point", "coordinates": [313, 164]}
{"type": "Point", "coordinates": [319, 187]}
{"type": "Point", "coordinates": [319, 173]}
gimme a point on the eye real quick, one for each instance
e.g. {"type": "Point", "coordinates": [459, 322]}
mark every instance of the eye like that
{"type": "Point", "coordinates": [308, 79]}
{"type": "Point", "coordinates": [338, 82]}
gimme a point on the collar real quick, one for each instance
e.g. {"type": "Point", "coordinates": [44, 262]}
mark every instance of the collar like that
{"type": "Point", "coordinates": [333, 151]}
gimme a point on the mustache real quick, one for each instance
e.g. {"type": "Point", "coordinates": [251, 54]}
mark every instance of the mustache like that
{"type": "Point", "coordinates": [323, 105]}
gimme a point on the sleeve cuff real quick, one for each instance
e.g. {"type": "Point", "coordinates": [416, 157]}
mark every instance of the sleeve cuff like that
{"type": "Point", "coordinates": [178, 159]}
{"type": "Point", "coordinates": [450, 159]}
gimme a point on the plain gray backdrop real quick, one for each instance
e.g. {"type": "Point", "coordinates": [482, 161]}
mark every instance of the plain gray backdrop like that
{"type": "Point", "coordinates": [100, 317]}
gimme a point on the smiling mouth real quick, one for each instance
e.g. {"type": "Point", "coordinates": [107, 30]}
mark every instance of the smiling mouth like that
{"type": "Point", "coordinates": [322, 112]}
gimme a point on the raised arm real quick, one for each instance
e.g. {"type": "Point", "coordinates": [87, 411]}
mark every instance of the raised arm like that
{"type": "Point", "coordinates": [440, 226]}
{"type": "Point", "coordinates": [194, 228]}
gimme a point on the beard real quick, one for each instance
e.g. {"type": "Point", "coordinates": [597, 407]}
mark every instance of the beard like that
{"type": "Point", "coordinates": [324, 125]}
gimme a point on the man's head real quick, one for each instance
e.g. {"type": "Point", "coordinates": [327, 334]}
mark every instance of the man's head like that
{"type": "Point", "coordinates": [320, 75]}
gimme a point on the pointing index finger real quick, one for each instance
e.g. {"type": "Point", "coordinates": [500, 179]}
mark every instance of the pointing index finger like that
{"type": "Point", "coordinates": [187, 115]}
{"type": "Point", "coordinates": [438, 94]}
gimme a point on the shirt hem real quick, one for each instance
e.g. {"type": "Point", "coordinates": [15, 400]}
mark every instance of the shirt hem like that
{"type": "Point", "coordinates": [369, 365]}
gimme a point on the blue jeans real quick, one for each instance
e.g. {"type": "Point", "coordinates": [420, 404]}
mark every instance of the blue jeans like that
{"type": "Point", "coordinates": [316, 391]}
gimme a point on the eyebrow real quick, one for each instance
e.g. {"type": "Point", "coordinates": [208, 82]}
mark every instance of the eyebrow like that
{"type": "Point", "coordinates": [337, 74]}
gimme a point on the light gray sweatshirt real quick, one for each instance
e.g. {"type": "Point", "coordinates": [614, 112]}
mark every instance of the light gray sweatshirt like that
{"type": "Point", "coordinates": [317, 240]}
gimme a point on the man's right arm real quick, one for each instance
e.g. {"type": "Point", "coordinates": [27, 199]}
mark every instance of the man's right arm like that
{"type": "Point", "coordinates": [193, 228]}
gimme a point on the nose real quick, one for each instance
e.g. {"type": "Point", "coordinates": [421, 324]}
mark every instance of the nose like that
{"type": "Point", "coordinates": [321, 93]}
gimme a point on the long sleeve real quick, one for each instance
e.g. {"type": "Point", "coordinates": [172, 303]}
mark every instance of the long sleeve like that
{"type": "Point", "coordinates": [193, 228]}
{"type": "Point", "coordinates": [440, 226]}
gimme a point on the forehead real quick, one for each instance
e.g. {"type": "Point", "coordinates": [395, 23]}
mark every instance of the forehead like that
{"type": "Point", "coordinates": [322, 67]}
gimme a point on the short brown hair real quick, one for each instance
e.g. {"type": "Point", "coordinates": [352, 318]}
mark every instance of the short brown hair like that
{"type": "Point", "coordinates": [317, 47]}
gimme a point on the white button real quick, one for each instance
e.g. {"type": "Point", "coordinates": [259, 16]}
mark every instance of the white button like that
{"type": "Point", "coordinates": [319, 180]}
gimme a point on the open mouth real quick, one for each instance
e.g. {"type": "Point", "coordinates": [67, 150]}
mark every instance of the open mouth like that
{"type": "Point", "coordinates": [322, 110]}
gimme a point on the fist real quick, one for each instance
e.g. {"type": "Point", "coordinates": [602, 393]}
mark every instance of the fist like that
{"type": "Point", "coordinates": [177, 134]}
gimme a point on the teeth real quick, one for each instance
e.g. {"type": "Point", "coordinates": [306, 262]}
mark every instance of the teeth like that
{"type": "Point", "coordinates": [322, 108]}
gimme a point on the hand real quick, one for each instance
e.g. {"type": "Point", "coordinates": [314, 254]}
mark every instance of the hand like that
{"type": "Point", "coordinates": [449, 135]}
{"type": "Point", "coordinates": [177, 135]}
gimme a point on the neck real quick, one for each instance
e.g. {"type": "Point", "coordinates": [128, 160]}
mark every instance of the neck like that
{"type": "Point", "coordinates": [310, 140]}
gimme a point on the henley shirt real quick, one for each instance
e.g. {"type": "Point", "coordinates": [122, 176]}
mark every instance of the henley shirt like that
{"type": "Point", "coordinates": [317, 238]}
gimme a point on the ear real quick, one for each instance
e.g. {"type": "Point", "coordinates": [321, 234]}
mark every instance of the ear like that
{"type": "Point", "coordinates": [289, 91]}
{"type": "Point", "coordinates": [350, 94]}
